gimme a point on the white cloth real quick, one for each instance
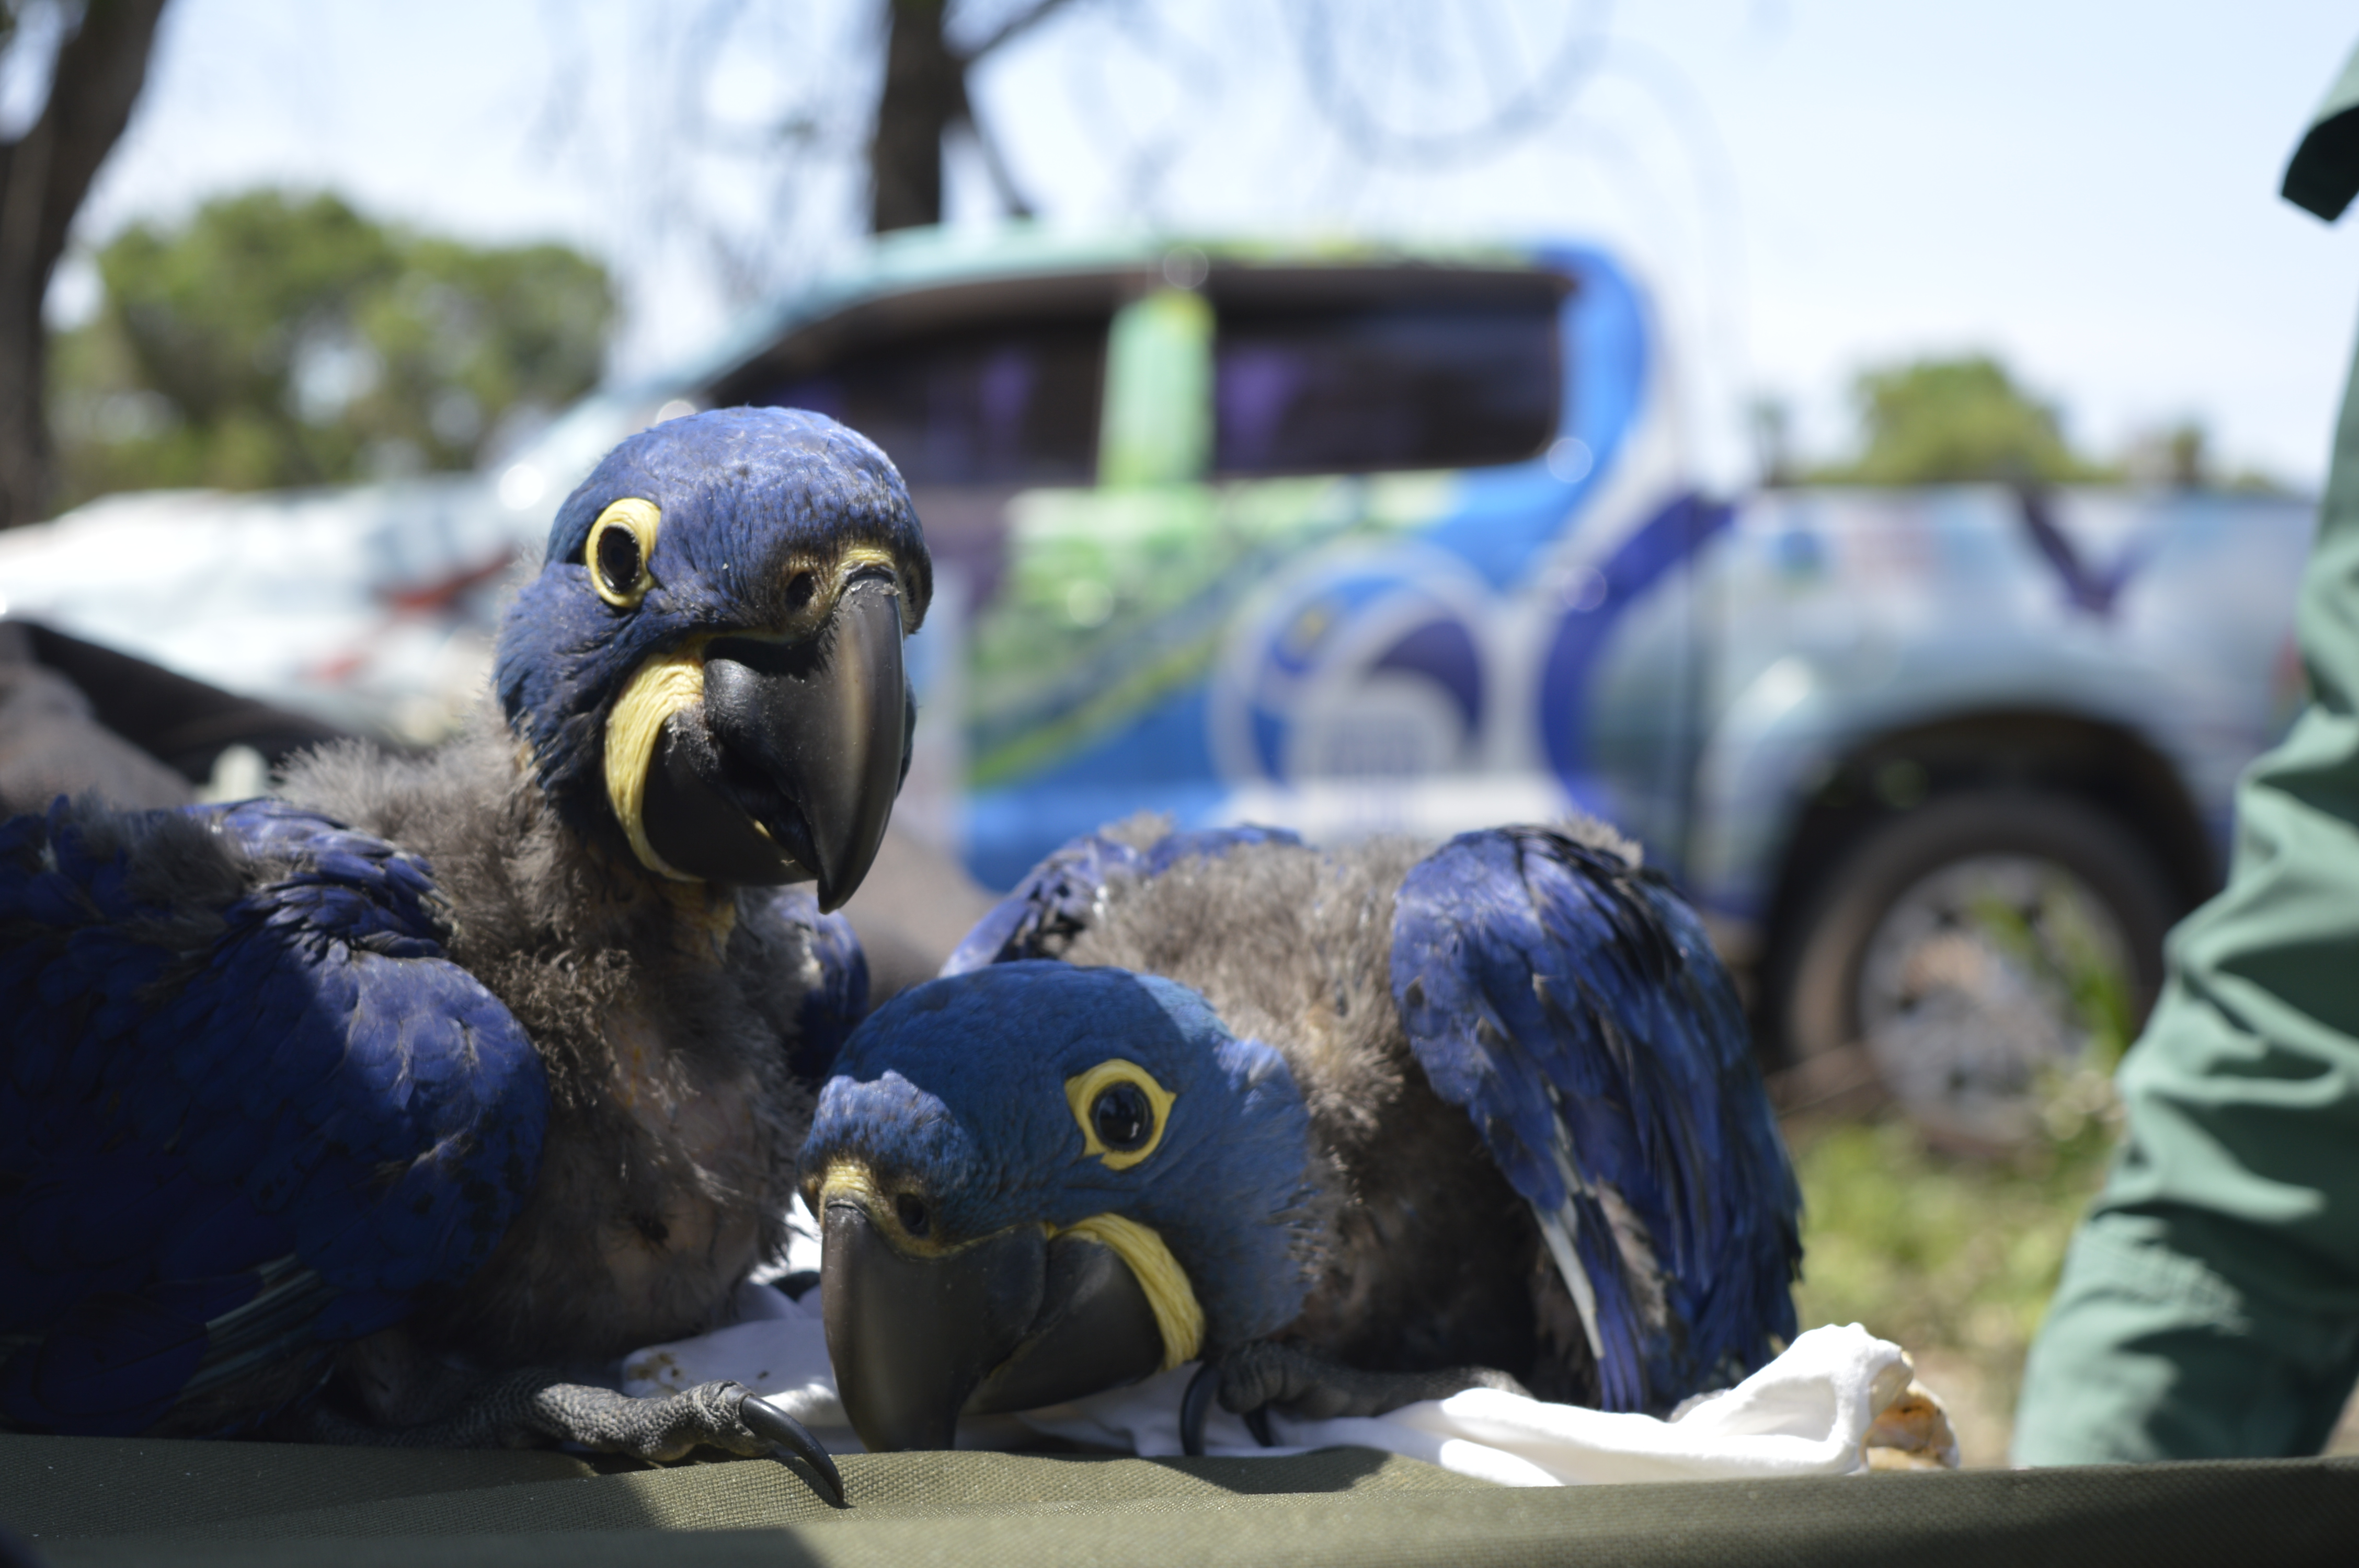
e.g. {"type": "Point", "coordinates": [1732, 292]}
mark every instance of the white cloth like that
{"type": "Point", "coordinates": [1805, 1413]}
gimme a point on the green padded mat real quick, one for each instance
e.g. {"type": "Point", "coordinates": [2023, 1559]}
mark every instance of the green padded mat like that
{"type": "Point", "coordinates": [106, 1501]}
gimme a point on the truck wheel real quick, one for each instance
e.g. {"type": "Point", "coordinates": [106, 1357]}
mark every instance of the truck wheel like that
{"type": "Point", "coordinates": [1973, 945]}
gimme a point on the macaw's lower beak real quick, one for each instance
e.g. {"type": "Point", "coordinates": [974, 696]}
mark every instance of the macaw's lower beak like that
{"type": "Point", "coordinates": [1014, 1322]}
{"type": "Point", "coordinates": [787, 770]}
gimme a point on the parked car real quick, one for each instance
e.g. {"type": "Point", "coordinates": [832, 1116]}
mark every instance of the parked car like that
{"type": "Point", "coordinates": [1358, 538]}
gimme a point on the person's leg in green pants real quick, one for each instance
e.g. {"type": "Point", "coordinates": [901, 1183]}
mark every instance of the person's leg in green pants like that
{"type": "Point", "coordinates": [2210, 1305]}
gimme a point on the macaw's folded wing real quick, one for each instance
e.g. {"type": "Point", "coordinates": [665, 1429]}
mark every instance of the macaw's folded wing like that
{"type": "Point", "coordinates": [256, 1109]}
{"type": "Point", "coordinates": [1572, 1007]}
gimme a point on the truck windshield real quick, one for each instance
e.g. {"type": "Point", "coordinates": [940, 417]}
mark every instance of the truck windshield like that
{"type": "Point", "coordinates": [1004, 403]}
{"type": "Point", "coordinates": [1303, 387]}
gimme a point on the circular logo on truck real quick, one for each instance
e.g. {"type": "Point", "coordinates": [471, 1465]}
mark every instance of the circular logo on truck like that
{"type": "Point", "coordinates": [1364, 668]}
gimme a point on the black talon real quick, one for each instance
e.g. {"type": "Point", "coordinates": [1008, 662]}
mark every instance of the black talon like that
{"type": "Point", "coordinates": [1258, 1422]}
{"type": "Point", "coordinates": [766, 1419]}
{"type": "Point", "coordinates": [1193, 1406]}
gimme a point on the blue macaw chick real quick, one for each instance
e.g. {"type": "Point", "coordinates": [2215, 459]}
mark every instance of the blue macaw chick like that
{"type": "Point", "coordinates": [1357, 1129]}
{"type": "Point", "coordinates": [1013, 1166]}
{"type": "Point", "coordinates": [324, 1108]}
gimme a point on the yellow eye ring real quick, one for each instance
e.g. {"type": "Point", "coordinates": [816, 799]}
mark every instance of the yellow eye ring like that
{"type": "Point", "coordinates": [621, 544]}
{"type": "Point", "coordinates": [1122, 1111]}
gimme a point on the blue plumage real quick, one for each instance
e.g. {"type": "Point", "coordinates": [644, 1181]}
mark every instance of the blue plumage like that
{"type": "Point", "coordinates": [770, 486]}
{"type": "Point", "coordinates": [1518, 1014]}
{"type": "Point", "coordinates": [219, 1107]}
{"type": "Point", "coordinates": [495, 1058]}
{"type": "Point", "coordinates": [1579, 1016]}
{"type": "Point", "coordinates": [956, 1089]}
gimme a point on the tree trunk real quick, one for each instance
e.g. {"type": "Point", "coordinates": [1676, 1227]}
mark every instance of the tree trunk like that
{"type": "Point", "coordinates": [925, 94]}
{"type": "Point", "coordinates": [43, 179]}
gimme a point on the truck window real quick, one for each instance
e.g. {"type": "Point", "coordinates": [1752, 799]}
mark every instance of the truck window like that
{"type": "Point", "coordinates": [1003, 403]}
{"type": "Point", "coordinates": [1459, 378]}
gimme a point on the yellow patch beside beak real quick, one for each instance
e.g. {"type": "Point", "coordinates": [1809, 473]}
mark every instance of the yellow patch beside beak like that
{"type": "Point", "coordinates": [1178, 1313]}
{"type": "Point", "coordinates": [668, 684]}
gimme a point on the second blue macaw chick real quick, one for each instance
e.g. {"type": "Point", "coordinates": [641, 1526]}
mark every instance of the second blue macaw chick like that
{"type": "Point", "coordinates": [1356, 1128]}
{"type": "Point", "coordinates": [1016, 1213]}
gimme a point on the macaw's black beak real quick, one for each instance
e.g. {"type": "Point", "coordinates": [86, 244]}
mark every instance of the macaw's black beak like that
{"type": "Point", "coordinates": [788, 771]}
{"type": "Point", "coordinates": [1014, 1322]}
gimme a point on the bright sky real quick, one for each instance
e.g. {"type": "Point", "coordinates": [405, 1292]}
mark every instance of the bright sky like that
{"type": "Point", "coordinates": [2088, 189]}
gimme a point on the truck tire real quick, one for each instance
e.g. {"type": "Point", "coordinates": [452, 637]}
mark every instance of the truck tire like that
{"type": "Point", "coordinates": [1970, 947]}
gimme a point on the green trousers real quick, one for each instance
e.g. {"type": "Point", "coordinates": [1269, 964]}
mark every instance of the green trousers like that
{"type": "Point", "coordinates": [2210, 1305]}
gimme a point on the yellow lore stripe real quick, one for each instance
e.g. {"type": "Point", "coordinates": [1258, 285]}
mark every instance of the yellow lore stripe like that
{"type": "Point", "coordinates": [1177, 1311]}
{"type": "Point", "coordinates": [667, 684]}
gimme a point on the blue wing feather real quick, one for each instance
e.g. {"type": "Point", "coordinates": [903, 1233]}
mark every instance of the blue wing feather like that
{"type": "Point", "coordinates": [1058, 897]}
{"type": "Point", "coordinates": [1575, 1010]}
{"type": "Point", "coordinates": [243, 1116]}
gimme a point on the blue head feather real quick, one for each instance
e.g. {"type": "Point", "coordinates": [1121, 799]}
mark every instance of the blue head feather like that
{"type": "Point", "coordinates": [956, 1087]}
{"type": "Point", "coordinates": [745, 495]}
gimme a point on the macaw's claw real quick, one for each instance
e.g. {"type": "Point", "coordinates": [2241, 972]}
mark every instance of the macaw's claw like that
{"type": "Point", "coordinates": [766, 1420]}
{"type": "Point", "coordinates": [669, 1427]}
{"type": "Point", "coordinates": [1258, 1422]}
{"type": "Point", "coordinates": [537, 1407]}
{"type": "Point", "coordinates": [1197, 1403]}
{"type": "Point", "coordinates": [1194, 1405]}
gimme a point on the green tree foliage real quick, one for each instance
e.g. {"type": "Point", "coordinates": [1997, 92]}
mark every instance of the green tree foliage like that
{"type": "Point", "coordinates": [1956, 421]}
{"type": "Point", "coordinates": [278, 339]}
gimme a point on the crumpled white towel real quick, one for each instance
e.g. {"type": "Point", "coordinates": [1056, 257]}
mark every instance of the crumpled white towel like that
{"type": "Point", "coordinates": [1805, 1413]}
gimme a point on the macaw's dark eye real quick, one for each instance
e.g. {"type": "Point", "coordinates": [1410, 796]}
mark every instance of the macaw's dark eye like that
{"type": "Point", "coordinates": [618, 559]}
{"type": "Point", "coordinates": [1122, 1118]}
{"type": "Point", "coordinates": [913, 1216]}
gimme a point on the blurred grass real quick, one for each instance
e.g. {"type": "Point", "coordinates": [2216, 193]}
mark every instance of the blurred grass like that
{"type": "Point", "coordinates": [1951, 1256]}
{"type": "Point", "coordinates": [1954, 1255]}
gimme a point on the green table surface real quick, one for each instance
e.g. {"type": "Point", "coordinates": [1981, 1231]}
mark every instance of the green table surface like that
{"type": "Point", "coordinates": [122, 1501]}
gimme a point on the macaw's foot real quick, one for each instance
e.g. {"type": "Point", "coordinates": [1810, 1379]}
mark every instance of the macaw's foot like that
{"type": "Point", "coordinates": [1252, 1380]}
{"type": "Point", "coordinates": [536, 1408]}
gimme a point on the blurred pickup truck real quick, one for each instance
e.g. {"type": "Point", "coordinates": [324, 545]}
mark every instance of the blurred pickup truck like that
{"type": "Point", "coordinates": [1359, 538]}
